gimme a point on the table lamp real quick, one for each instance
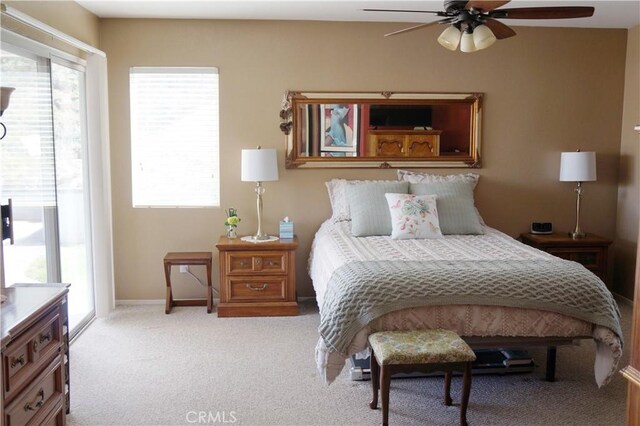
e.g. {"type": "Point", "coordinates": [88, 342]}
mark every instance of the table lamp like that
{"type": "Point", "coordinates": [577, 167]}
{"type": "Point", "coordinates": [259, 165]}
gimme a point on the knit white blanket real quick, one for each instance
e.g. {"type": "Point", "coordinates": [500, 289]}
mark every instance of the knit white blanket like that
{"type": "Point", "coordinates": [360, 292]}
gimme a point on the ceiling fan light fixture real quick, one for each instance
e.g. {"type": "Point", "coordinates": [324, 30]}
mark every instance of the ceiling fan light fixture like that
{"type": "Point", "coordinates": [466, 42]}
{"type": "Point", "coordinates": [450, 38]}
{"type": "Point", "coordinates": [483, 37]}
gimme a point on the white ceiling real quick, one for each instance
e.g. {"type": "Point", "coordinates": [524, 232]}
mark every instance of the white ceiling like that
{"type": "Point", "coordinates": [608, 14]}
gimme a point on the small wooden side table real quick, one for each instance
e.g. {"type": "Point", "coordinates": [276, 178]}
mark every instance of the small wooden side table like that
{"type": "Point", "coordinates": [257, 279]}
{"type": "Point", "coordinates": [590, 251]}
{"type": "Point", "coordinates": [188, 258]}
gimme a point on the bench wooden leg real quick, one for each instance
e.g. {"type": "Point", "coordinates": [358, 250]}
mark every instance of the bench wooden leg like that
{"type": "Point", "coordinates": [447, 388]}
{"type": "Point", "coordinates": [385, 384]}
{"type": "Point", "coordinates": [466, 390]}
{"type": "Point", "coordinates": [375, 380]}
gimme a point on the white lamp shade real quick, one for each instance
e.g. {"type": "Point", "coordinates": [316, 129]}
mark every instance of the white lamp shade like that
{"type": "Point", "coordinates": [259, 165]}
{"type": "Point", "coordinates": [577, 166]}
{"type": "Point", "coordinates": [466, 43]}
{"type": "Point", "coordinates": [483, 37]}
{"type": "Point", "coordinates": [450, 38]}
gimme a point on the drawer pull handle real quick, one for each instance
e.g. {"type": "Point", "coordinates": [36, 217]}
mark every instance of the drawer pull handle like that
{"type": "Point", "coordinates": [37, 403]}
{"type": "Point", "coordinates": [272, 263]}
{"type": "Point", "coordinates": [16, 361]}
{"type": "Point", "coordinates": [242, 264]}
{"type": "Point", "coordinates": [263, 288]}
{"type": "Point", "coordinates": [45, 337]}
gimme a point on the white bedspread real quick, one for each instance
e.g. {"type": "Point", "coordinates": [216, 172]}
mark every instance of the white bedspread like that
{"type": "Point", "coordinates": [333, 246]}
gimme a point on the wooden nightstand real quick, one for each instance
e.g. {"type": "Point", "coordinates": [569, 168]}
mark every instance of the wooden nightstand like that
{"type": "Point", "coordinates": [257, 279]}
{"type": "Point", "coordinates": [591, 251]}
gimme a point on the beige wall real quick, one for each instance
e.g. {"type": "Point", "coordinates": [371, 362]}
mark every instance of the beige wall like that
{"type": "Point", "coordinates": [66, 16]}
{"type": "Point", "coordinates": [629, 176]}
{"type": "Point", "coordinates": [547, 90]}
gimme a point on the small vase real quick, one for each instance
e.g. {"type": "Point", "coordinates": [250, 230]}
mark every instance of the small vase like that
{"type": "Point", "coordinates": [231, 232]}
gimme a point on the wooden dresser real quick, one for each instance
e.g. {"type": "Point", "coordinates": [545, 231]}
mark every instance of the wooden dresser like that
{"type": "Point", "coordinates": [257, 279]}
{"type": "Point", "coordinates": [35, 355]}
{"type": "Point", "coordinates": [404, 143]}
{"type": "Point", "coordinates": [591, 251]}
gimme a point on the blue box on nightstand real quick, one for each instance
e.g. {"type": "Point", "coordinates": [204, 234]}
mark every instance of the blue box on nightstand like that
{"type": "Point", "coordinates": [286, 230]}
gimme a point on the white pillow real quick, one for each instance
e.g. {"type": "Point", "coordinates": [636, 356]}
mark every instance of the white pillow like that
{"type": "Point", "coordinates": [413, 216]}
{"type": "Point", "coordinates": [337, 189]}
{"type": "Point", "coordinates": [420, 177]}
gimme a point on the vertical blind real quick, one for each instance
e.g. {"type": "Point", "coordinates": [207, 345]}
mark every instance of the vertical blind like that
{"type": "Point", "coordinates": [174, 137]}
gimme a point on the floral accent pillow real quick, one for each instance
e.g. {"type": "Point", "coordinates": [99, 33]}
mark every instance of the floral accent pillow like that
{"type": "Point", "coordinates": [413, 216]}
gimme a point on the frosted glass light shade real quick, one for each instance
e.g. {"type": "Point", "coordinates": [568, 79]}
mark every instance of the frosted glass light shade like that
{"type": "Point", "coordinates": [259, 165]}
{"type": "Point", "coordinates": [577, 166]}
{"type": "Point", "coordinates": [483, 37]}
{"type": "Point", "coordinates": [466, 43]}
{"type": "Point", "coordinates": [450, 38]}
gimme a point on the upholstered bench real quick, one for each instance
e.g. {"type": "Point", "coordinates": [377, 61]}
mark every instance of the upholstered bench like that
{"type": "Point", "coordinates": [420, 350]}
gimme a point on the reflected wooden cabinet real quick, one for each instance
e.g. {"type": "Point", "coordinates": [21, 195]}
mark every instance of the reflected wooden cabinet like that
{"type": "Point", "coordinates": [404, 143]}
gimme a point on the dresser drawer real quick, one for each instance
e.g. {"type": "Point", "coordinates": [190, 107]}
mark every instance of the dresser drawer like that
{"type": "Point", "coordinates": [27, 355]}
{"type": "Point", "coordinates": [35, 405]}
{"type": "Point", "coordinates": [250, 289]}
{"type": "Point", "coordinates": [238, 263]}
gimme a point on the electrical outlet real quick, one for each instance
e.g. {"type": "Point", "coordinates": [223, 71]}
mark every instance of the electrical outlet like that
{"type": "Point", "coordinates": [184, 268]}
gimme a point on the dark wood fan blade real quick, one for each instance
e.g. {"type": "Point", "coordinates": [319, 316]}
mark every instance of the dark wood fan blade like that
{"type": "Point", "coordinates": [416, 27]}
{"type": "Point", "coordinates": [544, 12]}
{"type": "Point", "coordinates": [399, 10]}
{"type": "Point", "coordinates": [500, 30]}
{"type": "Point", "coordinates": [485, 6]}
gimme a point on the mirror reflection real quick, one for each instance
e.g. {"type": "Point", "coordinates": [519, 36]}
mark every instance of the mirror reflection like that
{"type": "Point", "coordinates": [379, 130]}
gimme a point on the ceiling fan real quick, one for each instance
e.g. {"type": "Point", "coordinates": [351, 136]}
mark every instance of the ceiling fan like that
{"type": "Point", "coordinates": [474, 24]}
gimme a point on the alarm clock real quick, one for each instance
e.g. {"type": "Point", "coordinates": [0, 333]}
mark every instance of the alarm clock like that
{"type": "Point", "coordinates": [543, 228]}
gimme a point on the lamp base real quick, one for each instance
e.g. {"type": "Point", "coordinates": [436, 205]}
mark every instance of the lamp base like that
{"type": "Point", "coordinates": [576, 235]}
{"type": "Point", "coordinates": [263, 239]}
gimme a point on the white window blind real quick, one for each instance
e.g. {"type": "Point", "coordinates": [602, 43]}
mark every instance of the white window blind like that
{"type": "Point", "coordinates": [26, 153]}
{"type": "Point", "coordinates": [174, 137]}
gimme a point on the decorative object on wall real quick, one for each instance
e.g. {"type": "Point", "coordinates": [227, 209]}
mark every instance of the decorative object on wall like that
{"type": "Point", "coordinates": [259, 165]}
{"type": "Point", "coordinates": [474, 24]}
{"type": "Point", "coordinates": [577, 167]}
{"type": "Point", "coordinates": [5, 95]}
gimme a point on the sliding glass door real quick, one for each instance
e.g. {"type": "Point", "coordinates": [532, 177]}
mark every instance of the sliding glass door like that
{"type": "Point", "coordinates": [44, 169]}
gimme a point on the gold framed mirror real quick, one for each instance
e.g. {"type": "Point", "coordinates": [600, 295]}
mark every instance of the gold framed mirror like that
{"type": "Point", "coordinates": [381, 129]}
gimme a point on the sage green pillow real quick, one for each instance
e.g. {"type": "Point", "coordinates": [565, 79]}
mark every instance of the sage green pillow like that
{"type": "Point", "coordinates": [369, 209]}
{"type": "Point", "coordinates": [456, 209]}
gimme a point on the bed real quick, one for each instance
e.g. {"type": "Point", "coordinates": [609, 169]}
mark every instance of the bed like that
{"type": "Point", "coordinates": [414, 278]}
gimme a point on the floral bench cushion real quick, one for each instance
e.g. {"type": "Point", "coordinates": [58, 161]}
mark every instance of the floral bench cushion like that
{"type": "Point", "coordinates": [420, 347]}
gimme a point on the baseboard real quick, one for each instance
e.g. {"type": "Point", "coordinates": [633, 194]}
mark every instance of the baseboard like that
{"type": "Point", "coordinates": [123, 302]}
{"type": "Point", "coordinates": [120, 302]}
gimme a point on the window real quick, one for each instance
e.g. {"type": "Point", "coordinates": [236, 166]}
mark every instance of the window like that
{"type": "Point", "coordinates": [174, 137]}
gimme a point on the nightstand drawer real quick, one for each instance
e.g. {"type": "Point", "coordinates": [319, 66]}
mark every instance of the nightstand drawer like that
{"type": "Point", "coordinates": [263, 262]}
{"type": "Point", "coordinates": [257, 288]}
{"type": "Point", "coordinates": [27, 355]}
{"type": "Point", "coordinates": [591, 259]}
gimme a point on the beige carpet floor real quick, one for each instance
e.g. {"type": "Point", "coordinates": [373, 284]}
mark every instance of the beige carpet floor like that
{"type": "Point", "coordinates": [142, 367]}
